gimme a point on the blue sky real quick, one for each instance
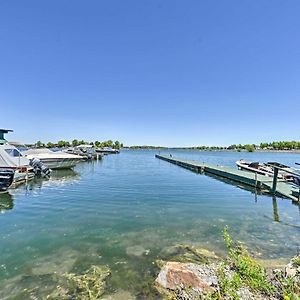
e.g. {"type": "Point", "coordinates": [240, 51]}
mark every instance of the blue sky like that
{"type": "Point", "coordinates": [173, 73]}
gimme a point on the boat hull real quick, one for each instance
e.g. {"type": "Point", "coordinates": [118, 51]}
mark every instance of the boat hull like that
{"type": "Point", "coordinates": [6, 179]}
{"type": "Point", "coordinates": [55, 164]}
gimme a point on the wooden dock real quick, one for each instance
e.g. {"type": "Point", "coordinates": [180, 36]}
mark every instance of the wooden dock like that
{"type": "Point", "coordinates": [283, 188]}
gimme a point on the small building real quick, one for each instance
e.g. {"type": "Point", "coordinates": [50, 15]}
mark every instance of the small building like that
{"type": "Point", "coordinates": [2, 132]}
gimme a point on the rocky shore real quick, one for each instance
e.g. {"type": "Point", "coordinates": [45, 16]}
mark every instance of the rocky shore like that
{"type": "Point", "coordinates": [195, 273]}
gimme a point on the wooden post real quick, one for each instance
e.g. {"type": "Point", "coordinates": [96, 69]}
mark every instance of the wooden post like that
{"type": "Point", "coordinates": [275, 180]}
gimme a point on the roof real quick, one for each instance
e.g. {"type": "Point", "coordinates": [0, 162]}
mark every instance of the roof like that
{"type": "Point", "coordinates": [5, 130]}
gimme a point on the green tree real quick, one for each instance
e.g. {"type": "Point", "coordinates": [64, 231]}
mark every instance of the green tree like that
{"type": "Point", "coordinates": [75, 143]}
{"type": "Point", "coordinates": [50, 145]}
{"type": "Point", "coordinates": [39, 144]}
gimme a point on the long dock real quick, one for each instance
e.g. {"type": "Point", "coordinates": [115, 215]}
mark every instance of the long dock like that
{"type": "Point", "coordinates": [283, 188]}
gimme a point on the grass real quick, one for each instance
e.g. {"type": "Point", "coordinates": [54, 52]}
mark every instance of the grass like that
{"type": "Point", "coordinates": [247, 272]}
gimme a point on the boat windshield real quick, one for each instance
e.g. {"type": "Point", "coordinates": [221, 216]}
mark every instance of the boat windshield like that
{"type": "Point", "coordinates": [13, 152]}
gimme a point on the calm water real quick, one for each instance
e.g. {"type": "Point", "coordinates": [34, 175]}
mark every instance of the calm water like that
{"type": "Point", "coordinates": [111, 211]}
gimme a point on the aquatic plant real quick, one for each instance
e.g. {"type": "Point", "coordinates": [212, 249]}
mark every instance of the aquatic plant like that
{"type": "Point", "coordinates": [88, 286]}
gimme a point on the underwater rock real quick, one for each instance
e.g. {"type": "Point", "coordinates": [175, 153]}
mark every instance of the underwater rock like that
{"type": "Point", "coordinates": [187, 253]}
{"type": "Point", "coordinates": [59, 263]}
{"type": "Point", "coordinates": [119, 295]}
{"type": "Point", "coordinates": [28, 287]}
{"type": "Point", "coordinates": [137, 251]}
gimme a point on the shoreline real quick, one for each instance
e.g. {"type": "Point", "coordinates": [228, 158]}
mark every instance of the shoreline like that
{"type": "Point", "coordinates": [217, 150]}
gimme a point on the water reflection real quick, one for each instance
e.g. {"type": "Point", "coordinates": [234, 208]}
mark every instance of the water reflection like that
{"type": "Point", "coordinates": [257, 192]}
{"type": "Point", "coordinates": [57, 177]}
{"type": "Point", "coordinates": [6, 202]}
{"type": "Point", "coordinates": [275, 210]}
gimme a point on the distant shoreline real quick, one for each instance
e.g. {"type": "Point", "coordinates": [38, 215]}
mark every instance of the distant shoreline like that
{"type": "Point", "coordinates": [295, 151]}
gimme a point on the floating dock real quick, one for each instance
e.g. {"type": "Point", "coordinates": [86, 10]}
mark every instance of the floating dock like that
{"type": "Point", "coordinates": [282, 188]}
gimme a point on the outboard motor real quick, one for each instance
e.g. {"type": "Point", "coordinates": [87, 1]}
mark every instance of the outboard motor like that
{"type": "Point", "coordinates": [39, 168]}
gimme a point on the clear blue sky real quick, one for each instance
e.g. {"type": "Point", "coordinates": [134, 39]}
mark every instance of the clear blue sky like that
{"type": "Point", "coordinates": [174, 73]}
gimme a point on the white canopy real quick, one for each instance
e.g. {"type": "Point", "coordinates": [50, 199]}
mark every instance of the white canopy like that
{"type": "Point", "coordinates": [11, 157]}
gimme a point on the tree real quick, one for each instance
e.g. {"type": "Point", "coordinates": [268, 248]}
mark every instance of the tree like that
{"type": "Point", "coordinates": [250, 148]}
{"type": "Point", "coordinates": [39, 144]}
{"type": "Point", "coordinates": [50, 145]}
{"type": "Point", "coordinates": [75, 143]}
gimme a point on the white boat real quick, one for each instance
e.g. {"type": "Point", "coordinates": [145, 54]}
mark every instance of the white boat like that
{"type": "Point", "coordinates": [284, 172]}
{"type": "Point", "coordinates": [255, 167]}
{"type": "Point", "coordinates": [107, 150]}
{"type": "Point", "coordinates": [86, 151]}
{"type": "Point", "coordinates": [54, 160]}
{"type": "Point", "coordinates": [12, 159]}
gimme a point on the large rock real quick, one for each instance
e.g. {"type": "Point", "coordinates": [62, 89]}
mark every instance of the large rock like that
{"type": "Point", "coordinates": [188, 277]}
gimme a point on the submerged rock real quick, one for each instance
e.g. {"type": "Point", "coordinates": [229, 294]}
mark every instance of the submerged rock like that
{"type": "Point", "coordinates": [59, 263]}
{"type": "Point", "coordinates": [119, 295]}
{"type": "Point", "coordinates": [137, 251]}
{"type": "Point", "coordinates": [186, 253]}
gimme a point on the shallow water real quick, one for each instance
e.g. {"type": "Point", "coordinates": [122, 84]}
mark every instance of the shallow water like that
{"type": "Point", "coordinates": [125, 210]}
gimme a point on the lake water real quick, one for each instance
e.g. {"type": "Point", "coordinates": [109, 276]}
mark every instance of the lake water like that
{"type": "Point", "coordinates": [108, 212]}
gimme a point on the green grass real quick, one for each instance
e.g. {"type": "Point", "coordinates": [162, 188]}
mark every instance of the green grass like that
{"type": "Point", "coordinates": [247, 272]}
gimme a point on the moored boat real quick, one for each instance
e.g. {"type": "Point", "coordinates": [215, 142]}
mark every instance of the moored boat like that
{"type": "Point", "coordinates": [255, 167]}
{"type": "Point", "coordinates": [107, 150]}
{"type": "Point", "coordinates": [53, 160]}
{"type": "Point", "coordinates": [87, 152]}
{"type": "Point", "coordinates": [11, 158]}
{"type": "Point", "coordinates": [267, 169]}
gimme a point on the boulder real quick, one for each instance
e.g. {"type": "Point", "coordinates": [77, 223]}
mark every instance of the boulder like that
{"type": "Point", "coordinates": [188, 277]}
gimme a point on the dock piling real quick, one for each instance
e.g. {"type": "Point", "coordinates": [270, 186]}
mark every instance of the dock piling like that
{"type": "Point", "coordinates": [275, 180]}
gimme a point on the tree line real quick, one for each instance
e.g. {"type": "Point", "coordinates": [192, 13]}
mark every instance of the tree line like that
{"type": "Point", "coordinates": [75, 142]}
{"type": "Point", "coordinates": [283, 145]}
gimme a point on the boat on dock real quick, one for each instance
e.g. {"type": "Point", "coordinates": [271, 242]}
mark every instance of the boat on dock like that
{"type": "Point", "coordinates": [255, 167]}
{"type": "Point", "coordinates": [268, 169]}
{"type": "Point", "coordinates": [12, 159]}
{"type": "Point", "coordinates": [107, 150]}
{"type": "Point", "coordinates": [53, 160]}
{"type": "Point", "coordinates": [87, 152]}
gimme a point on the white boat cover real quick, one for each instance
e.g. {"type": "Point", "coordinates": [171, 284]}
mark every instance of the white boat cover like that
{"type": "Point", "coordinates": [11, 157]}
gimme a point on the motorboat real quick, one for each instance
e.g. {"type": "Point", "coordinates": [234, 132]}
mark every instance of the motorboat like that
{"type": "Point", "coordinates": [107, 150]}
{"type": "Point", "coordinates": [86, 151]}
{"type": "Point", "coordinates": [288, 173]}
{"type": "Point", "coordinates": [11, 158]}
{"type": "Point", "coordinates": [256, 167]}
{"type": "Point", "coordinates": [267, 169]}
{"type": "Point", "coordinates": [15, 166]}
{"type": "Point", "coordinates": [6, 179]}
{"type": "Point", "coordinates": [52, 159]}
